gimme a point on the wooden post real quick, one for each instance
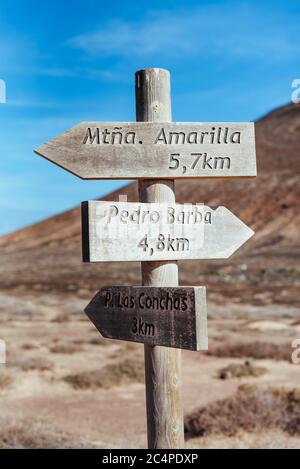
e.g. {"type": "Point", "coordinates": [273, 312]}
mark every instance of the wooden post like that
{"type": "Point", "coordinates": [162, 364]}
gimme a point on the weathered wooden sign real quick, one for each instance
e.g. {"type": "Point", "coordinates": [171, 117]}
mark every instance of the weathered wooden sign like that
{"type": "Point", "coordinates": [156, 151]}
{"type": "Point", "coordinates": [120, 150]}
{"type": "Point", "coordinates": [123, 231]}
{"type": "Point", "coordinates": [170, 317]}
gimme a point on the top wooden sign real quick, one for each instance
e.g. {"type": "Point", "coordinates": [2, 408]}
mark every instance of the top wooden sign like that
{"type": "Point", "coordinates": [106, 150]}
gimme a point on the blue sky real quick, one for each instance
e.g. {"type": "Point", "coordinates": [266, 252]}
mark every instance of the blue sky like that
{"type": "Point", "coordinates": [65, 62]}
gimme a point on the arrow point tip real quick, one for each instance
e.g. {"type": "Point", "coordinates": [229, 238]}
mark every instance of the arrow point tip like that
{"type": "Point", "coordinates": [38, 151]}
{"type": "Point", "coordinates": [250, 232]}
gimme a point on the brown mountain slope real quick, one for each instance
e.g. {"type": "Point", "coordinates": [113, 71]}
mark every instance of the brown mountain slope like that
{"type": "Point", "coordinates": [47, 255]}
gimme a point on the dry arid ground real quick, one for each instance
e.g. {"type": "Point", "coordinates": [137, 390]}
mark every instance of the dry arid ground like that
{"type": "Point", "coordinates": [65, 386]}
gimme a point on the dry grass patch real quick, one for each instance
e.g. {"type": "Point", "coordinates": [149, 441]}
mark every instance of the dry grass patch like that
{"type": "Point", "coordinates": [271, 439]}
{"type": "Point", "coordinates": [6, 380]}
{"type": "Point", "coordinates": [241, 370]}
{"type": "Point", "coordinates": [255, 349]}
{"type": "Point", "coordinates": [25, 434]}
{"type": "Point", "coordinates": [62, 317]}
{"type": "Point", "coordinates": [29, 346]}
{"type": "Point", "coordinates": [66, 348]}
{"type": "Point", "coordinates": [31, 363]}
{"type": "Point", "coordinates": [116, 374]}
{"type": "Point", "coordinates": [250, 409]}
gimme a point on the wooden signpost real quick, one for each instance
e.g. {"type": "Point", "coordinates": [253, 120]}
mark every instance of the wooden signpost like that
{"type": "Point", "coordinates": [159, 231]}
{"type": "Point", "coordinates": [122, 150]}
{"type": "Point", "coordinates": [156, 231]}
{"type": "Point", "coordinates": [171, 317]}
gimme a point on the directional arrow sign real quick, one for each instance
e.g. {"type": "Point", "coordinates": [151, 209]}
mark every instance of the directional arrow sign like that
{"type": "Point", "coordinates": [120, 150]}
{"type": "Point", "coordinates": [172, 317]}
{"type": "Point", "coordinates": [122, 231]}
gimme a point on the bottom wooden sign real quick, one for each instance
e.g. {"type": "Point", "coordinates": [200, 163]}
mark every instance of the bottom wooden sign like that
{"type": "Point", "coordinates": [171, 317]}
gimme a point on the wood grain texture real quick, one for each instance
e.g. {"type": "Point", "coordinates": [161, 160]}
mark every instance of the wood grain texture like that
{"type": "Point", "coordinates": [123, 231]}
{"type": "Point", "coordinates": [162, 365]}
{"type": "Point", "coordinates": [169, 317]}
{"type": "Point", "coordinates": [122, 150]}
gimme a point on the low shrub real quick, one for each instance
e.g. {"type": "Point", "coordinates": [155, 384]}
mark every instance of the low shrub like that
{"type": "Point", "coordinates": [126, 372]}
{"type": "Point", "coordinates": [250, 409]}
{"type": "Point", "coordinates": [255, 349]}
{"type": "Point", "coordinates": [241, 370]}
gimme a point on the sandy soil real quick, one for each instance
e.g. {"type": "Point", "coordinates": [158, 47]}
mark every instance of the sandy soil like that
{"type": "Point", "coordinates": [115, 417]}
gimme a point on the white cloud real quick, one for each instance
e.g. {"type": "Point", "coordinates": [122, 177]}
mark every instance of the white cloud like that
{"type": "Point", "coordinates": [233, 29]}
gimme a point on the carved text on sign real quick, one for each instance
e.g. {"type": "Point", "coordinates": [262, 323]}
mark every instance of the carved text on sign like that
{"type": "Point", "coordinates": [118, 136]}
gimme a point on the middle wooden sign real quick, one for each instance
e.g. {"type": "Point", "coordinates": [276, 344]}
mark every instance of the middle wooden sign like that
{"type": "Point", "coordinates": [126, 231]}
